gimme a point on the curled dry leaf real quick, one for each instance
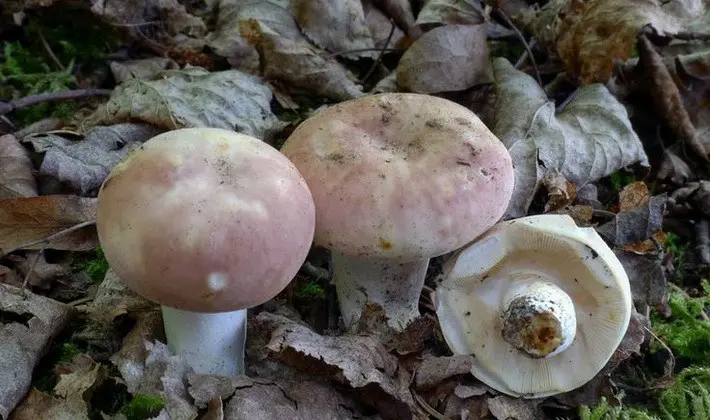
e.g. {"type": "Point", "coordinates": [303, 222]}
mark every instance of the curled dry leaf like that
{"type": "Point", "coordinates": [298, 66]}
{"type": "Point", "coordinates": [636, 225]}
{"type": "Point", "coordinates": [335, 25]}
{"type": "Point", "coordinates": [16, 179]}
{"type": "Point", "coordinates": [560, 192]}
{"type": "Point", "coordinates": [85, 164]}
{"type": "Point", "coordinates": [589, 139]}
{"type": "Point", "coordinates": [141, 69]}
{"type": "Point", "coordinates": [29, 219]}
{"type": "Point", "coordinates": [193, 97]}
{"type": "Point", "coordinates": [33, 322]}
{"type": "Point", "coordinates": [634, 195]}
{"type": "Point", "coordinates": [447, 58]}
{"type": "Point", "coordinates": [360, 362]}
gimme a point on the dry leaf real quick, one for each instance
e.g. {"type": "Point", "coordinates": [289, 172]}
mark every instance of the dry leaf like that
{"type": "Point", "coordinates": [145, 68]}
{"type": "Point", "coordinates": [447, 58]}
{"type": "Point", "coordinates": [360, 362]}
{"type": "Point", "coordinates": [674, 168]}
{"type": "Point", "coordinates": [504, 407]}
{"type": "Point", "coordinates": [633, 195]}
{"type": "Point", "coordinates": [435, 370]}
{"type": "Point", "coordinates": [16, 179]}
{"type": "Point", "coordinates": [380, 27]}
{"type": "Point", "coordinates": [79, 384]}
{"type": "Point", "coordinates": [335, 25]}
{"type": "Point", "coordinates": [113, 299]}
{"type": "Point", "coordinates": [647, 279]}
{"type": "Point", "coordinates": [589, 139]}
{"type": "Point", "coordinates": [29, 324]}
{"type": "Point", "coordinates": [43, 273]}
{"type": "Point", "coordinates": [25, 220]}
{"type": "Point", "coordinates": [298, 66]}
{"type": "Point", "coordinates": [39, 405]}
{"type": "Point", "coordinates": [560, 192]}
{"type": "Point", "coordinates": [399, 10]}
{"type": "Point", "coordinates": [85, 164]}
{"type": "Point", "coordinates": [193, 97]}
{"type": "Point", "coordinates": [635, 225]}
{"type": "Point", "coordinates": [205, 388]}
{"type": "Point", "coordinates": [451, 12]}
{"type": "Point", "coordinates": [468, 391]}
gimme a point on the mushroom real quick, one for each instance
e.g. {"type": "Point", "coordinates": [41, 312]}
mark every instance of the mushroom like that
{"type": "Point", "coordinates": [207, 223]}
{"type": "Point", "coordinates": [541, 303]}
{"type": "Point", "coordinates": [397, 179]}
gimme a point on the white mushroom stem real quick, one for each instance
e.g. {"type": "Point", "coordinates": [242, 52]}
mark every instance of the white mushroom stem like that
{"type": "Point", "coordinates": [210, 343]}
{"type": "Point", "coordinates": [393, 285]}
{"type": "Point", "coordinates": [538, 317]}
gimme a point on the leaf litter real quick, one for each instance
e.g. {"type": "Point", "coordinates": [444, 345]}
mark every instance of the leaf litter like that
{"type": "Point", "coordinates": [260, 67]}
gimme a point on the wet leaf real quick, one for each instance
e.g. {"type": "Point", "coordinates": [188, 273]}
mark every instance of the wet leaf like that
{"type": "Point", "coordinates": [447, 58]}
{"type": "Point", "coordinates": [16, 179]}
{"type": "Point", "coordinates": [28, 325]}
{"type": "Point", "coordinates": [298, 65]}
{"type": "Point", "coordinates": [590, 138]}
{"type": "Point", "coordinates": [335, 25]}
{"type": "Point", "coordinates": [635, 225]}
{"type": "Point", "coordinates": [192, 97]}
{"type": "Point", "coordinates": [25, 220]}
{"type": "Point", "coordinates": [85, 164]}
{"type": "Point", "coordinates": [360, 362]}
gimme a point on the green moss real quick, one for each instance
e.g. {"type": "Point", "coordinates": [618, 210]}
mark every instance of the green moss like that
{"type": "Point", "coordinates": [688, 398]}
{"type": "Point", "coordinates": [604, 411]}
{"type": "Point", "coordinates": [685, 332]}
{"type": "Point", "coordinates": [93, 263]}
{"type": "Point", "coordinates": [675, 246]}
{"type": "Point", "coordinates": [311, 291]}
{"type": "Point", "coordinates": [142, 407]}
{"type": "Point", "coordinates": [620, 179]}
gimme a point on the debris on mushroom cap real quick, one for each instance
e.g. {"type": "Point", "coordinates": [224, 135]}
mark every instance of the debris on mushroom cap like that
{"type": "Point", "coordinates": [206, 220]}
{"type": "Point", "coordinates": [553, 262]}
{"type": "Point", "coordinates": [401, 175]}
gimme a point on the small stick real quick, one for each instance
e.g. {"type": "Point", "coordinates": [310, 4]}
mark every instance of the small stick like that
{"type": "Point", "coordinates": [7, 107]}
{"type": "Point", "coordinates": [379, 57]}
{"type": "Point", "coordinates": [426, 407]}
{"type": "Point", "coordinates": [525, 44]}
{"type": "Point", "coordinates": [30, 271]}
{"type": "Point", "coordinates": [335, 54]}
{"type": "Point", "coordinates": [50, 238]}
{"type": "Point", "coordinates": [50, 52]}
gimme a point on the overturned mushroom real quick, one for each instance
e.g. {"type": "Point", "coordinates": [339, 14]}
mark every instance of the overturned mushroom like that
{"type": "Point", "coordinates": [207, 223]}
{"type": "Point", "coordinates": [541, 303]}
{"type": "Point", "coordinates": [397, 179]}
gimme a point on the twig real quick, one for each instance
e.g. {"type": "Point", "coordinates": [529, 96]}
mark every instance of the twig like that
{"type": "Point", "coordinates": [31, 270]}
{"type": "Point", "coordinates": [525, 55]}
{"type": "Point", "coordinates": [665, 346]}
{"type": "Point", "coordinates": [81, 301]}
{"type": "Point", "coordinates": [525, 43]}
{"type": "Point", "coordinates": [382, 53]}
{"type": "Point", "coordinates": [7, 107]}
{"type": "Point", "coordinates": [426, 407]}
{"type": "Point", "coordinates": [335, 54]}
{"type": "Point", "coordinates": [49, 51]}
{"type": "Point", "coordinates": [50, 238]}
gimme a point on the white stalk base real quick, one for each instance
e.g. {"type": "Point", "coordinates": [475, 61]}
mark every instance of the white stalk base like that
{"type": "Point", "coordinates": [395, 286]}
{"type": "Point", "coordinates": [210, 343]}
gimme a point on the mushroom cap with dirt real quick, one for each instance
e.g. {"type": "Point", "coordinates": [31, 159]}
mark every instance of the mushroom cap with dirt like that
{"type": "Point", "coordinates": [204, 222]}
{"type": "Point", "coordinates": [541, 303]}
{"type": "Point", "coordinates": [397, 179]}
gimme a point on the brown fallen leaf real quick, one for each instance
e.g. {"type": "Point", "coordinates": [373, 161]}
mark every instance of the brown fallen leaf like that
{"type": "Point", "coordinates": [447, 58]}
{"type": "Point", "coordinates": [78, 385]}
{"type": "Point", "coordinates": [131, 358]}
{"type": "Point", "coordinates": [43, 274]}
{"type": "Point", "coordinates": [380, 27]}
{"type": "Point", "coordinates": [399, 10]}
{"type": "Point", "coordinates": [38, 405]}
{"type": "Point", "coordinates": [560, 192]}
{"type": "Point", "coordinates": [16, 179]}
{"type": "Point", "coordinates": [451, 12]}
{"type": "Point", "coordinates": [504, 407]}
{"type": "Point", "coordinates": [30, 219]}
{"type": "Point", "coordinates": [113, 298]}
{"type": "Point", "coordinates": [647, 279]}
{"type": "Point", "coordinates": [298, 65]}
{"type": "Point", "coordinates": [360, 362]}
{"type": "Point", "coordinates": [335, 25]}
{"type": "Point", "coordinates": [30, 323]}
{"type": "Point", "coordinates": [206, 388]}
{"type": "Point", "coordinates": [145, 68]}
{"type": "Point", "coordinates": [636, 225]}
{"type": "Point", "coordinates": [674, 168]}
{"type": "Point", "coordinates": [634, 195]}
{"type": "Point", "coordinates": [434, 370]}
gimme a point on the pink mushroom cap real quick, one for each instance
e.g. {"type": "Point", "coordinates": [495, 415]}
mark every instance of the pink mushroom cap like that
{"type": "Point", "coordinates": [401, 176]}
{"type": "Point", "coordinates": [206, 220]}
